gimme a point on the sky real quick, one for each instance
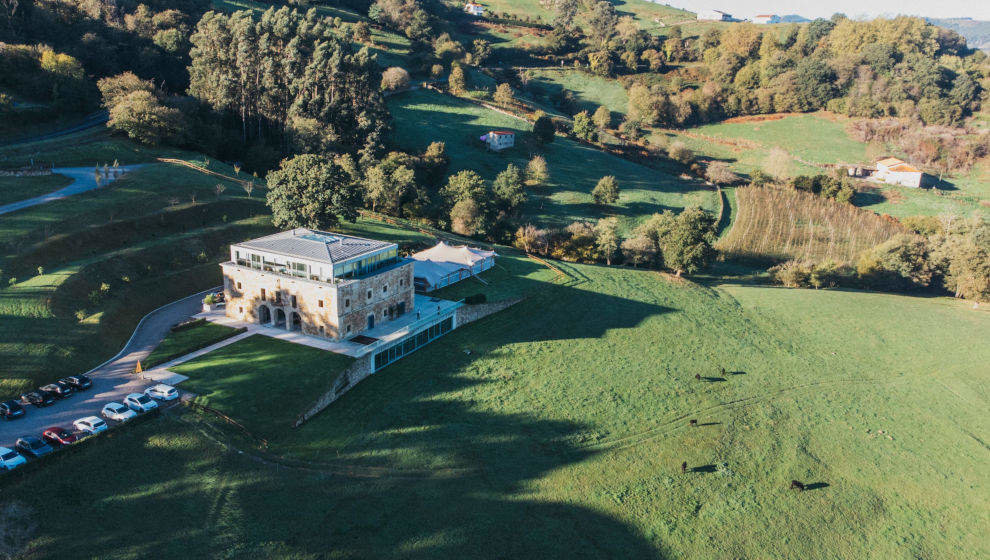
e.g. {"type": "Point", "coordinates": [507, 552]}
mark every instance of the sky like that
{"type": "Point", "coordinates": [976, 9]}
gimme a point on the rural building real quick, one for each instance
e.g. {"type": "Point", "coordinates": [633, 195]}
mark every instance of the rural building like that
{"type": "Point", "coordinates": [499, 139]}
{"type": "Point", "coordinates": [896, 172]}
{"type": "Point", "coordinates": [476, 10]}
{"type": "Point", "coordinates": [323, 284]}
{"type": "Point", "coordinates": [766, 18]}
{"type": "Point", "coordinates": [714, 15]}
{"type": "Point", "coordinates": [443, 265]}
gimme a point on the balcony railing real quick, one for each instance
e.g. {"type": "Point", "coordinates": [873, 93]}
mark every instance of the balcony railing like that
{"type": "Point", "coordinates": [282, 270]}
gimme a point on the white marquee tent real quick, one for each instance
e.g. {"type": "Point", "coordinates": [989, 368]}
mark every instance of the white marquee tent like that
{"type": "Point", "coordinates": [443, 265]}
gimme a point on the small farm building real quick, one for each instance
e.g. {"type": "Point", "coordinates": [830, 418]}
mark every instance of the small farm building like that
{"type": "Point", "coordinates": [896, 172]}
{"type": "Point", "coordinates": [476, 10]}
{"type": "Point", "coordinates": [499, 139]}
{"type": "Point", "coordinates": [714, 15]}
{"type": "Point", "coordinates": [443, 265]}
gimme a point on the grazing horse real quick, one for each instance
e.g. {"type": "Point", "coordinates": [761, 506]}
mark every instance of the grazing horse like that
{"type": "Point", "coordinates": [684, 467]}
{"type": "Point", "coordinates": [697, 376]}
{"type": "Point", "coordinates": [796, 484]}
{"type": "Point", "coordinates": [693, 422]}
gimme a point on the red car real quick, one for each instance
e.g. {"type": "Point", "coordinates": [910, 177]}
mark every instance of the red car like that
{"type": "Point", "coordinates": [58, 435]}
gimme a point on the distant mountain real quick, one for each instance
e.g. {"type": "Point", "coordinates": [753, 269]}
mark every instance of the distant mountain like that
{"type": "Point", "coordinates": [793, 18]}
{"type": "Point", "coordinates": [976, 32]}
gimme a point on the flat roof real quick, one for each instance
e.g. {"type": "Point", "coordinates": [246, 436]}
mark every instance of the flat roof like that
{"type": "Point", "coordinates": [314, 245]}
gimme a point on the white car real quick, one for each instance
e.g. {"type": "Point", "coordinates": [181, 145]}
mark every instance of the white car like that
{"type": "Point", "coordinates": [118, 412]}
{"type": "Point", "coordinates": [90, 425]}
{"type": "Point", "coordinates": [162, 392]}
{"type": "Point", "coordinates": [139, 402]}
{"type": "Point", "coordinates": [10, 459]}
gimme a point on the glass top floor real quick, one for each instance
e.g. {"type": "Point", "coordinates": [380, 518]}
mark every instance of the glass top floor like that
{"type": "Point", "coordinates": [314, 270]}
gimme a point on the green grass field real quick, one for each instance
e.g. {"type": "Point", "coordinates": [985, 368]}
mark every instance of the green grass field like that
{"type": "Point", "coordinates": [650, 17]}
{"type": "Point", "coordinates": [590, 91]}
{"type": "Point", "coordinates": [182, 342]}
{"type": "Point", "coordinates": [262, 381]}
{"type": "Point", "coordinates": [422, 117]}
{"type": "Point", "coordinates": [14, 189]}
{"type": "Point", "coordinates": [569, 415]}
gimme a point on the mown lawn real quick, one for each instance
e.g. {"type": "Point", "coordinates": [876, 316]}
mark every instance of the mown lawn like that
{"type": "Point", "coordinates": [14, 189]}
{"type": "Point", "coordinates": [568, 414]}
{"type": "Point", "coordinates": [263, 382]}
{"type": "Point", "coordinates": [645, 13]}
{"type": "Point", "coordinates": [181, 342]}
{"type": "Point", "coordinates": [422, 117]}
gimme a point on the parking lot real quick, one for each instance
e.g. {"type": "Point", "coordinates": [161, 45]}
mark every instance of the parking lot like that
{"type": "Point", "coordinates": [112, 381]}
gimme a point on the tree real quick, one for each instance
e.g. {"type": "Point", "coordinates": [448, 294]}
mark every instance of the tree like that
{"type": "Point", "coordinates": [678, 151]}
{"type": "Point", "coordinates": [900, 263]}
{"type": "Point", "coordinates": [312, 191]}
{"type": "Point", "coordinates": [778, 164]}
{"type": "Point", "coordinates": [684, 241]}
{"type": "Point", "coordinates": [466, 218]}
{"type": "Point", "coordinates": [638, 251]}
{"type": "Point", "coordinates": [720, 173]}
{"type": "Point", "coordinates": [544, 129]}
{"type": "Point", "coordinates": [601, 63]}
{"type": "Point", "coordinates": [602, 21]}
{"type": "Point", "coordinates": [385, 184]}
{"type": "Point", "coordinates": [537, 172]}
{"type": "Point", "coordinates": [508, 189]}
{"type": "Point", "coordinates": [142, 117]}
{"type": "Point", "coordinates": [963, 260]}
{"type": "Point", "coordinates": [606, 191]}
{"type": "Point", "coordinates": [464, 185]}
{"type": "Point", "coordinates": [503, 94]}
{"type": "Point", "coordinates": [457, 80]}
{"type": "Point", "coordinates": [481, 49]}
{"type": "Point", "coordinates": [602, 118]}
{"type": "Point", "coordinates": [395, 78]}
{"type": "Point", "coordinates": [607, 237]}
{"type": "Point", "coordinates": [583, 127]}
{"type": "Point", "coordinates": [531, 239]}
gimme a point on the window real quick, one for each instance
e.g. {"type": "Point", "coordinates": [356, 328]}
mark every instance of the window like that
{"type": "Point", "coordinates": [262, 293]}
{"type": "Point", "coordinates": [320, 304]}
{"type": "Point", "coordinates": [402, 282]}
{"type": "Point", "coordinates": [348, 329]}
{"type": "Point", "coordinates": [347, 303]}
{"type": "Point", "coordinates": [385, 289]}
{"type": "Point", "coordinates": [238, 285]}
{"type": "Point", "coordinates": [322, 330]}
{"type": "Point", "coordinates": [294, 301]}
{"type": "Point", "coordinates": [240, 310]}
{"type": "Point", "coordinates": [369, 294]}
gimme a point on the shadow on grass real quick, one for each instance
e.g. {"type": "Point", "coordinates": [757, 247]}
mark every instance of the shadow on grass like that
{"type": "Point", "coordinates": [816, 486]}
{"type": "Point", "coordinates": [704, 469]}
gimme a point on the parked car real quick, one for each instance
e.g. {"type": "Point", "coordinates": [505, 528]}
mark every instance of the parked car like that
{"type": "Point", "coordinates": [90, 425]}
{"type": "Point", "coordinates": [139, 402]}
{"type": "Point", "coordinates": [219, 297]}
{"type": "Point", "coordinates": [38, 398]}
{"type": "Point", "coordinates": [11, 409]}
{"type": "Point", "coordinates": [33, 446]}
{"type": "Point", "coordinates": [61, 390]}
{"type": "Point", "coordinates": [10, 459]}
{"type": "Point", "coordinates": [78, 382]}
{"type": "Point", "coordinates": [162, 392]}
{"type": "Point", "coordinates": [117, 411]}
{"type": "Point", "coordinates": [58, 436]}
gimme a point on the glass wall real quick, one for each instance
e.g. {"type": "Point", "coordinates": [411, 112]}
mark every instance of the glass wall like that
{"type": "Point", "coordinates": [412, 342]}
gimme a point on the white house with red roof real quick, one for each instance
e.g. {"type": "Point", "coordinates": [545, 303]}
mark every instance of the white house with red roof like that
{"type": "Point", "coordinates": [476, 10]}
{"type": "Point", "coordinates": [499, 139]}
{"type": "Point", "coordinates": [895, 171]}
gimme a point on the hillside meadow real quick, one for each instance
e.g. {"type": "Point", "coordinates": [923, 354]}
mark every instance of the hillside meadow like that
{"type": "Point", "coordinates": [568, 414]}
{"type": "Point", "coordinates": [424, 116]}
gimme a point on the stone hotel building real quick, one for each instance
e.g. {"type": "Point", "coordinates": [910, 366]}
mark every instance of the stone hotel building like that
{"type": "Point", "coordinates": [324, 284]}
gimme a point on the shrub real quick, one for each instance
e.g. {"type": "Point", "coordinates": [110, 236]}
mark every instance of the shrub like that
{"type": "Point", "coordinates": [395, 78]}
{"type": "Point", "coordinates": [475, 299]}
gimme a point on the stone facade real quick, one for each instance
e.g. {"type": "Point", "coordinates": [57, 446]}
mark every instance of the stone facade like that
{"type": "Point", "coordinates": [332, 310]}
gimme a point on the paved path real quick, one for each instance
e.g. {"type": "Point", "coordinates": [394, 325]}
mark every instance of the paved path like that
{"type": "Point", "coordinates": [83, 179]}
{"type": "Point", "coordinates": [112, 381]}
{"type": "Point", "coordinates": [162, 373]}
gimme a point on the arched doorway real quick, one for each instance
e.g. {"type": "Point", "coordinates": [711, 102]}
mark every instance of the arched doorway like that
{"type": "Point", "coordinates": [279, 319]}
{"type": "Point", "coordinates": [264, 315]}
{"type": "Point", "coordinates": [296, 322]}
